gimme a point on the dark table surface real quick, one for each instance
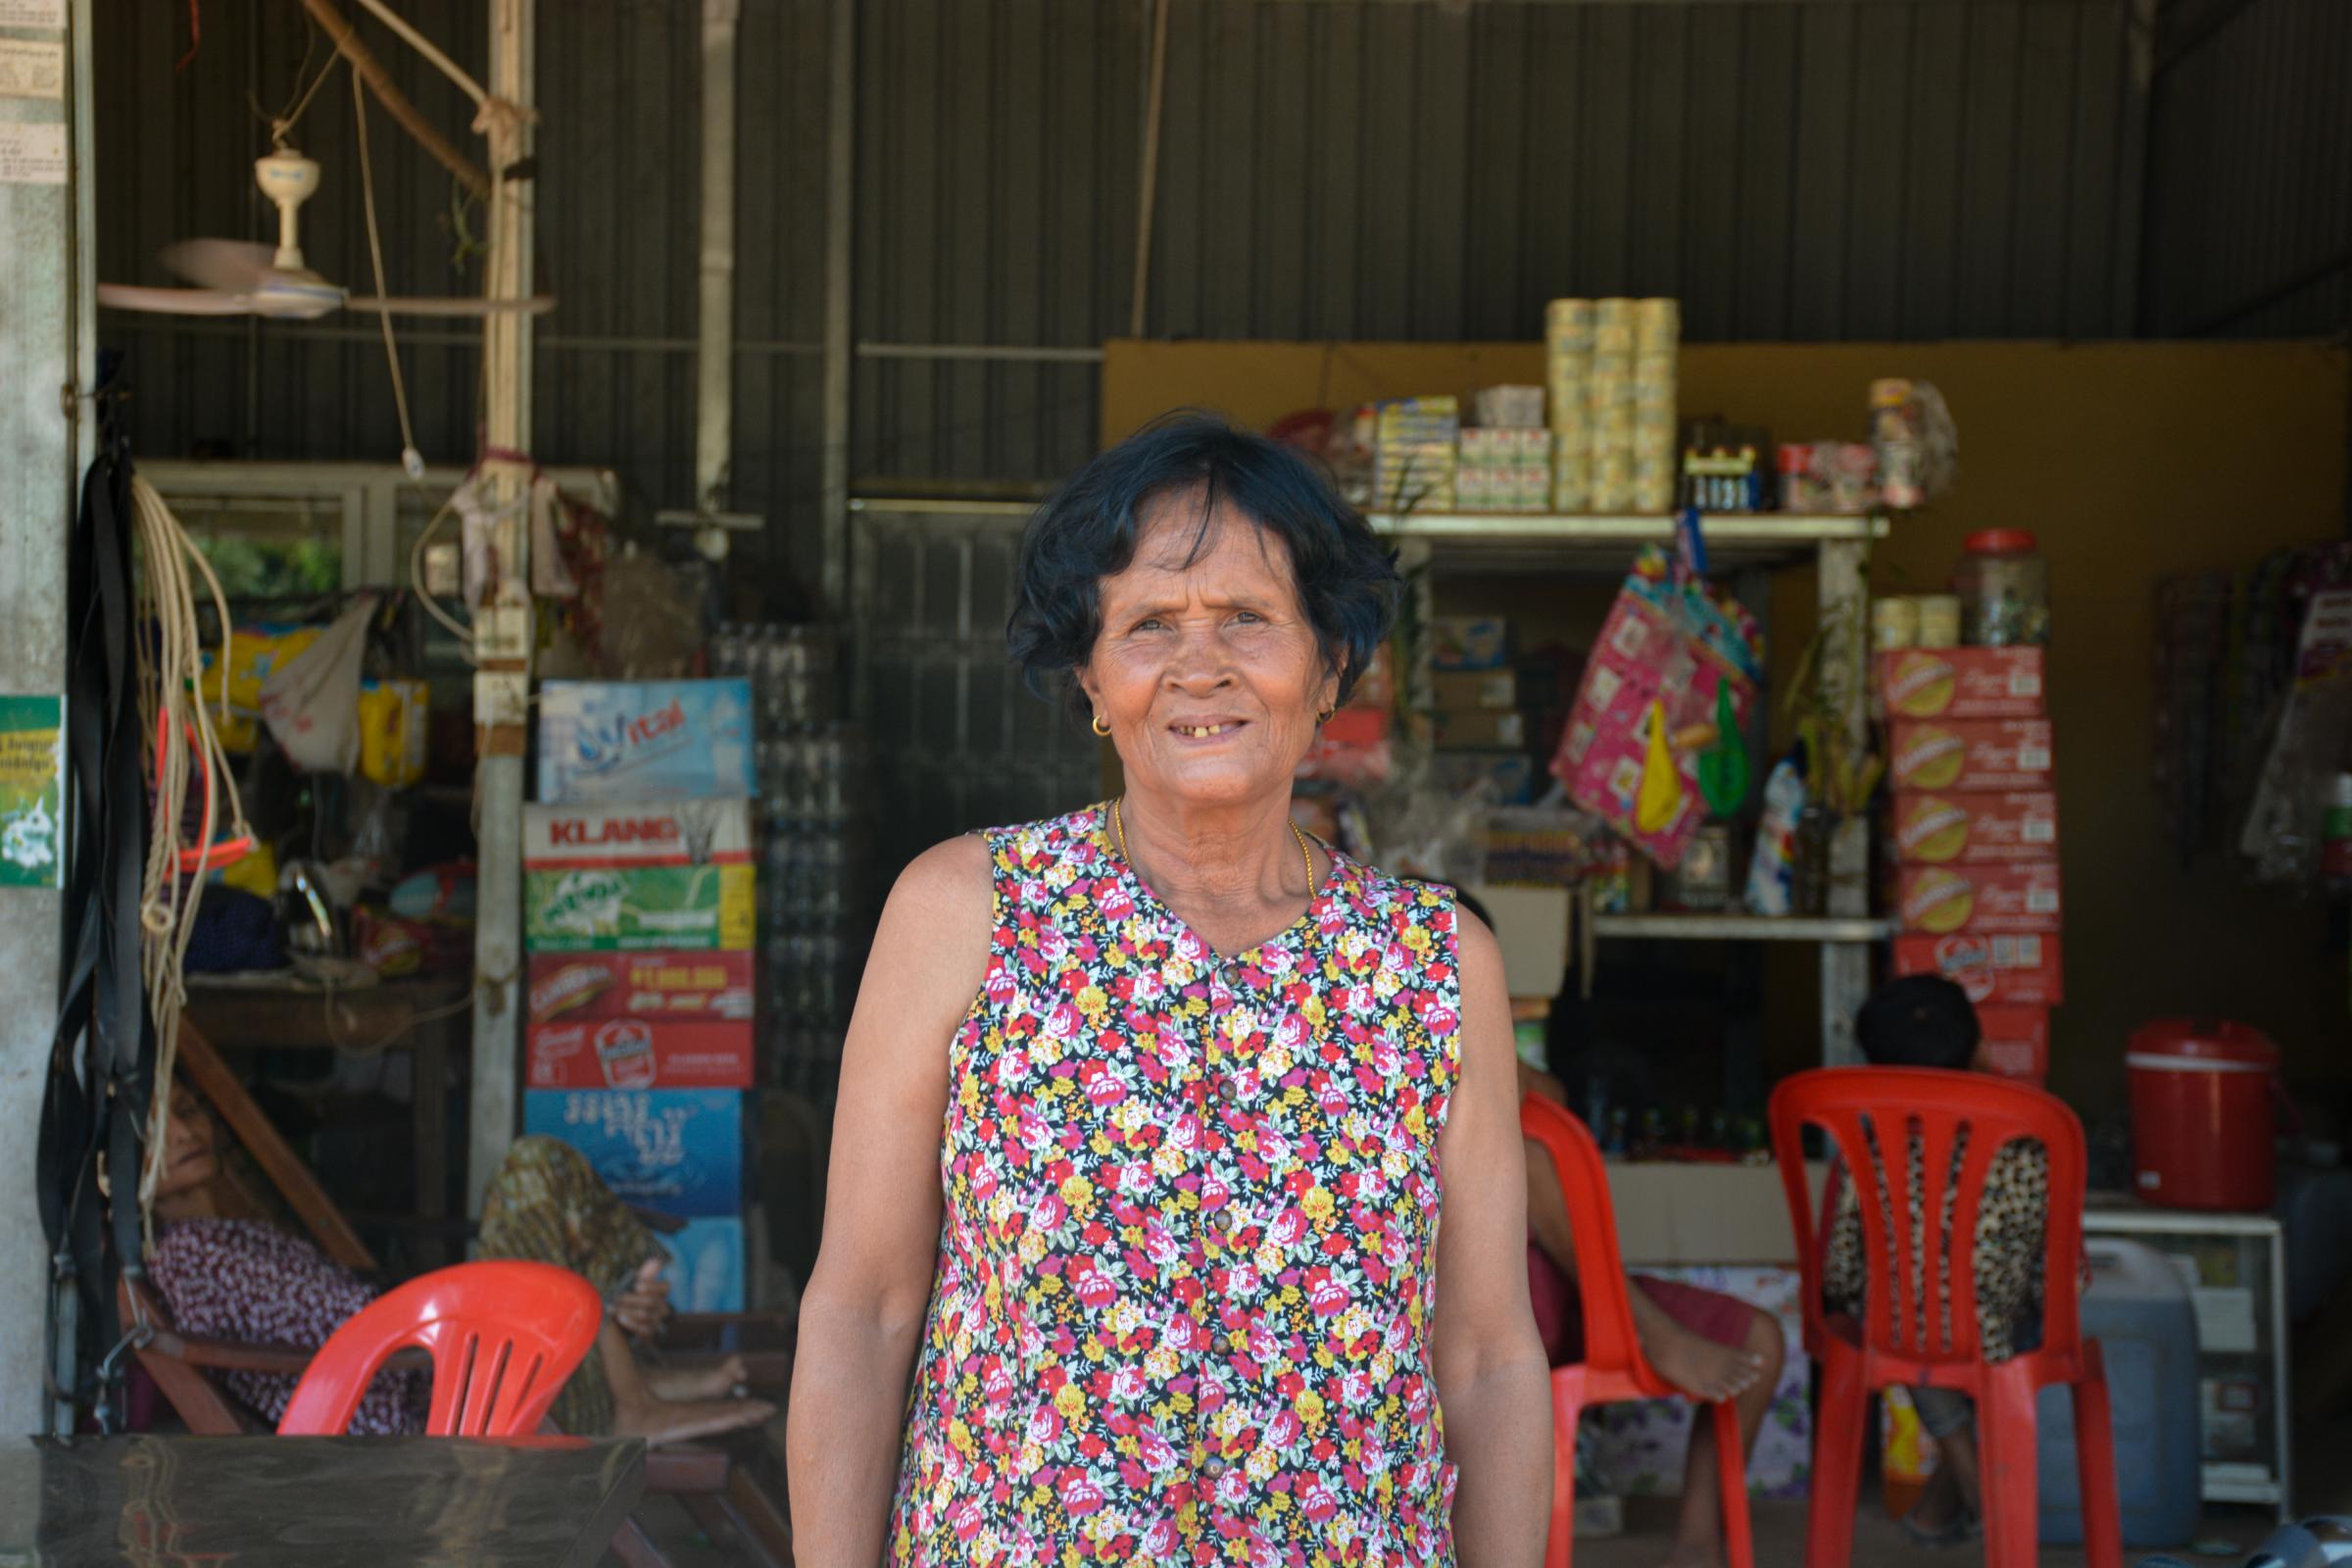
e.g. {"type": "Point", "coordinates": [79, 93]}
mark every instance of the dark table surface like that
{"type": "Point", "coordinates": [238, 1503]}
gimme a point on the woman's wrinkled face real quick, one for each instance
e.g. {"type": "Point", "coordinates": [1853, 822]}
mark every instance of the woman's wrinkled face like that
{"type": "Point", "coordinates": [1208, 673]}
{"type": "Point", "coordinates": [189, 1157]}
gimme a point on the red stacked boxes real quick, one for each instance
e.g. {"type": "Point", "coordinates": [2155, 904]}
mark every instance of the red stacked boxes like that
{"type": "Point", "coordinates": [1970, 756]}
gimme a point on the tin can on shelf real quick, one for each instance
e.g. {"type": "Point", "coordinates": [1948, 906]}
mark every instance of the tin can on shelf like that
{"type": "Point", "coordinates": [1613, 326]}
{"type": "Point", "coordinates": [1894, 623]}
{"type": "Point", "coordinates": [1568, 326]}
{"type": "Point", "coordinates": [1938, 621]}
{"type": "Point", "coordinates": [1657, 325]}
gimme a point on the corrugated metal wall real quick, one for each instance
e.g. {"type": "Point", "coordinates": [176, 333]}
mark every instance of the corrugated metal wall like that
{"type": "Point", "coordinates": [1812, 169]}
{"type": "Point", "coordinates": [2250, 171]}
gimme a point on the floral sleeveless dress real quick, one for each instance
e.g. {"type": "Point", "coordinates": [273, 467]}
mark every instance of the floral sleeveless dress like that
{"type": "Point", "coordinates": [1186, 1268]}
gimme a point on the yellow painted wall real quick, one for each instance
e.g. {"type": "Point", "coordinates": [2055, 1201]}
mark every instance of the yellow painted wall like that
{"type": "Point", "coordinates": [2131, 462]}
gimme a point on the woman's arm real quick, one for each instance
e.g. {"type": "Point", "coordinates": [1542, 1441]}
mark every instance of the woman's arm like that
{"type": "Point", "coordinates": [1493, 1384]}
{"type": "Point", "coordinates": [862, 1313]}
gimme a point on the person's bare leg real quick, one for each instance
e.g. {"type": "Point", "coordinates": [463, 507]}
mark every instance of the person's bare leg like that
{"type": "Point", "coordinates": [639, 1412]}
{"type": "Point", "coordinates": [1698, 1525]}
{"type": "Point", "coordinates": [1692, 1363]}
{"type": "Point", "coordinates": [714, 1382]}
{"type": "Point", "coordinates": [1953, 1486]}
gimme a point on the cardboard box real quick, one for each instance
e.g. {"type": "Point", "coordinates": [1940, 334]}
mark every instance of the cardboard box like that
{"type": "Point", "coordinates": [576, 1053]}
{"type": "Point", "coordinates": [2017, 1041]}
{"type": "Point", "coordinates": [664, 874]}
{"type": "Point", "coordinates": [680, 987]}
{"type": "Point", "coordinates": [1469, 642]}
{"type": "Point", "coordinates": [1530, 926]}
{"type": "Point", "coordinates": [1512, 773]}
{"type": "Point", "coordinates": [1669, 1212]}
{"type": "Point", "coordinates": [1976, 829]}
{"type": "Point", "coordinates": [645, 739]}
{"type": "Point", "coordinates": [1971, 755]}
{"type": "Point", "coordinates": [673, 1151]}
{"type": "Point", "coordinates": [1481, 729]}
{"type": "Point", "coordinates": [2005, 898]}
{"type": "Point", "coordinates": [709, 1266]}
{"type": "Point", "coordinates": [1962, 683]}
{"type": "Point", "coordinates": [2024, 970]}
{"type": "Point", "coordinates": [1464, 691]}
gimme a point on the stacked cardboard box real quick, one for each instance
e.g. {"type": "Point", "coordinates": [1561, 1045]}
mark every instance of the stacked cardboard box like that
{"type": "Point", "coordinates": [639, 911]}
{"type": "Point", "coordinates": [1415, 444]}
{"type": "Point", "coordinates": [1479, 730]}
{"type": "Point", "coordinates": [1975, 831]}
{"type": "Point", "coordinates": [1612, 378]}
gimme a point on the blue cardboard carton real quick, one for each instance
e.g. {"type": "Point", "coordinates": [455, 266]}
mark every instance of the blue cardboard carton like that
{"type": "Point", "coordinates": [645, 739]}
{"type": "Point", "coordinates": [708, 1266]}
{"type": "Point", "coordinates": [673, 1151]}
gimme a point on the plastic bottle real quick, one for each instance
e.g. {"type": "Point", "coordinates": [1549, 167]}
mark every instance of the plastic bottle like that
{"type": "Point", "coordinates": [2004, 589]}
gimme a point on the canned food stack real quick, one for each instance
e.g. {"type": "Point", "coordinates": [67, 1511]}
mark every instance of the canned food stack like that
{"type": "Point", "coordinates": [639, 896]}
{"type": "Point", "coordinates": [1503, 469]}
{"type": "Point", "coordinates": [1975, 825]}
{"type": "Point", "coordinates": [1610, 376]}
{"type": "Point", "coordinates": [809, 773]}
{"type": "Point", "coordinates": [1415, 444]}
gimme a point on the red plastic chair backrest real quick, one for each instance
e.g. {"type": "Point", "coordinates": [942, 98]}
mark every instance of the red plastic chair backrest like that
{"type": "Point", "coordinates": [503, 1336]}
{"type": "Point", "coordinates": [1900, 1106]}
{"type": "Point", "coordinates": [1610, 1344]}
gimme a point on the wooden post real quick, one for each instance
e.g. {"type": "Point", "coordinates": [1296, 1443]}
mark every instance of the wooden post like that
{"type": "Point", "coordinates": [503, 622]}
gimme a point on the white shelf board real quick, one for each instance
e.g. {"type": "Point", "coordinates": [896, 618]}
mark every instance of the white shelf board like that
{"type": "Point", "coordinates": [1574, 541]}
{"type": "Point", "coordinates": [1739, 928]}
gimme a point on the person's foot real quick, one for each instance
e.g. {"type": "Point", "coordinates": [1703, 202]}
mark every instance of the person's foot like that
{"type": "Point", "coordinates": [1941, 1517]}
{"type": "Point", "coordinates": [714, 1382]}
{"type": "Point", "coordinates": [1701, 1368]}
{"type": "Point", "coordinates": [684, 1420]}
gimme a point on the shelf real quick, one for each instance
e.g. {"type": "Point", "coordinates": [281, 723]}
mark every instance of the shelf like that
{"type": "Point", "coordinates": [1557, 541]}
{"type": "Point", "coordinates": [1738, 928]}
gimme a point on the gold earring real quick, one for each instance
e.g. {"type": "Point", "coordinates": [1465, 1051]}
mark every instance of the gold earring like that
{"type": "Point", "coordinates": [1101, 729]}
{"type": "Point", "coordinates": [1324, 718]}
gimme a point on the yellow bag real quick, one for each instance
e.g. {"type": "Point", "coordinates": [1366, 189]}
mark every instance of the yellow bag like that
{"type": "Point", "coordinates": [392, 731]}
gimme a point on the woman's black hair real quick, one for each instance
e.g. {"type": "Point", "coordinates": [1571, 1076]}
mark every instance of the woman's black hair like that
{"type": "Point", "coordinates": [1087, 532]}
{"type": "Point", "coordinates": [1921, 1020]}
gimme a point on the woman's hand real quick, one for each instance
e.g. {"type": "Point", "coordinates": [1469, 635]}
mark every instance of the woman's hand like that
{"type": "Point", "coordinates": [1493, 1384]}
{"type": "Point", "coordinates": [644, 1307]}
{"type": "Point", "coordinates": [863, 1314]}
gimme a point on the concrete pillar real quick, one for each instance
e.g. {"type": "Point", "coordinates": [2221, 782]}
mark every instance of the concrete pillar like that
{"type": "Point", "coordinates": [46, 337]}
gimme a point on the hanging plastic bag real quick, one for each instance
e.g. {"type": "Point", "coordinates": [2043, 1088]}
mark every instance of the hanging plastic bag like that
{"type": "Point", "coordinates": [1673, 662]}
{"type": "Point", "coordinates": [312, 704]}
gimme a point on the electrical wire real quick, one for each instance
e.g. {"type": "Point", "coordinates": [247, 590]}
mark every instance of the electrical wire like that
{"type": "Point", "coordinates": [449, 623]}
{"type": "Point", "coordinates": [411, 459]}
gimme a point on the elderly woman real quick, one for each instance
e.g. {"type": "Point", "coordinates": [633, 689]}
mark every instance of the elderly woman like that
{"type": "Point", "coordinates": [1149, 1112]}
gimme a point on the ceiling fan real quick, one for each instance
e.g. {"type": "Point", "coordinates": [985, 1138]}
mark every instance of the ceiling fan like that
{"type": "Point", "coordinates": [235, 278]}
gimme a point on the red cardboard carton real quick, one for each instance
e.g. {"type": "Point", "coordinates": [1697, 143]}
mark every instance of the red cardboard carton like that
{"type": "Point", "coordinates": [2005, 898]}
{"type": "Point", "coordinates": [2017, 1041]}
{"type": "Point", "coordinates": [1962, 683]}
{"type": "Point", "coordinates": [584, 1053]}
{"type": "Point", "coordinates": [2023, 971]}
{"type": "Point", "coordinates": [1970, 756]}
{"type": "Point", "coordinates": [685, 987]}
{"type": "Point", "coordinates": [1974, 829]}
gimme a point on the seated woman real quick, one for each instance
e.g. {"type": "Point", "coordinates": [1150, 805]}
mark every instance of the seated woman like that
{"type": "Point", "coordinates": [1710, 1346]}
{"type": "Point", "coordinates": [1928, 1021]}
{"type": "Point", "coordinates": [247, 1280]}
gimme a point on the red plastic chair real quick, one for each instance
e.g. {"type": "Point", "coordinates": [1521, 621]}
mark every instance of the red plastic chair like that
{"type": "Point", "coordinates": [503, 1337]}
{"type": "Point", "coordinates": [1898, 1344]}
{"type": "Point", "coordinates": [1614, 1368]}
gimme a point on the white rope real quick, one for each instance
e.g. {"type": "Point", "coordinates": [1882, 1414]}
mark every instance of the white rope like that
{"type": "Point", "coordinates": [410, 457]}
{"type": "Point", "coordinates": [170, 671]}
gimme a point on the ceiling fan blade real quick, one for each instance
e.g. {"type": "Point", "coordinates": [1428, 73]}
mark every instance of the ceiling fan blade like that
{"type": "Point", "coordinates": [535, 305]}
{"type": "Point", "coordinates": [173, 301]}
{"type": "Point", "coordinates": [231, 266]}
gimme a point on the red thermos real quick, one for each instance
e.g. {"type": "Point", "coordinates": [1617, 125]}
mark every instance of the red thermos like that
{"type": "Point", "coordinates": [2204, 1115]}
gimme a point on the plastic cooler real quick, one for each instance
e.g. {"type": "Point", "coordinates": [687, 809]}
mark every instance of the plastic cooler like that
{"type": "Point", "coordinates": [2204, 1116]}
{"type": "Point", "coordinates": [2141, 1312]}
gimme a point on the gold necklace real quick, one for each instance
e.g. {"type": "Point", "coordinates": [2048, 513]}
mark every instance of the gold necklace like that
{"type": "Point", "coordinates": [1119, 827]}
